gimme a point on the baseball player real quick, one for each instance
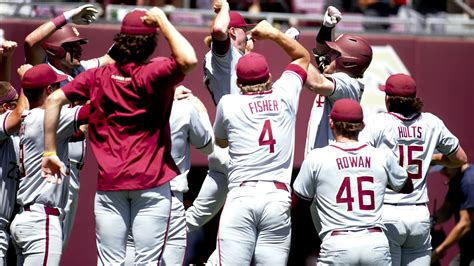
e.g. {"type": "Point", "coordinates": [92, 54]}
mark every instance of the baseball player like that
{"type": "Point", "coordinates": [229, 43]}
{"type": "Point", "coordinates": [129, 135]}
{"type": "Point", "coordinates": [459, 202]}
{"type": "Point", "coordinates": [348, 179]}
{"type": "Point", "coordinates": [258, 127]}
{"type": "Point", "coordinates": [11, 108]}
{"type": "Point", "coordinates": [37, 230]}
{"type": "Point", "coordinates": [413, 136]}
{"type": "Point", "coordinates": [190, 125]}
{"type": "Point", "coordinates": [341, 63]}
{"type": "Point", "coordinates": [60, 45]}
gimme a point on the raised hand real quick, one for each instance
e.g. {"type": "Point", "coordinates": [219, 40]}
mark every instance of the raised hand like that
{"type": "Point", "coordinates": [263, 30]}
{"type": "Point", "coordinates": [332, 17]}
{"type": "Point", "coordinates": [22, 69]}
{"type": "Point", "coordinates": [154, 17]}
{"type": "Point", "coordinates": [83, 15]}
{"type": "Point", "coordinates": [7, 48]}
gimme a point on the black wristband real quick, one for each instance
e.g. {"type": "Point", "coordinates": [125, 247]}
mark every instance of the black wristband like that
{"type": "Point", "coordinates": [324, 34]}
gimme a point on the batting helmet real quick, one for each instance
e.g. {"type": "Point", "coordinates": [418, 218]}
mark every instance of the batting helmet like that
{"type": "Point", "coordinates": [356, 54]}
{"type": "Point", "coordinates": [66, 34]}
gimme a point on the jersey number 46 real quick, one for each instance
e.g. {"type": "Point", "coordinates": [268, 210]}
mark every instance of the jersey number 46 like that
{"type": "Point", "coordinates": [344, 195]}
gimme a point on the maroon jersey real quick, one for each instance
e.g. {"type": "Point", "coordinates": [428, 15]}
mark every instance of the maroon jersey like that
{"type": "Point", "coordinates": [128, 125]}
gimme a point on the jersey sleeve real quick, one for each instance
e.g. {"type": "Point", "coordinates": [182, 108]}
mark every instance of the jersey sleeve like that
{"type": "Point", "coordinates": [345, 87]}
{"type": "Point", "coordinates": [79, 88]}
{"type": "Point", "coordinates": [68, 122]}
{"type": "Point", "coordinates": [397, 175]}
{"type": "Point", "coordinates": [200, 132]}
{"type": "Point", "coordinates": [305, 183]}
{"type": "Point", "coordinates": [219, 129]}
{"type": "Point", "coordinates": [160, 70]}
{"type": "Point", "coordinates": [447, 143]}
{"type": "Point", "coordinates": [291, 83]}
{"type": "Point", "coordinates": [3, 125]}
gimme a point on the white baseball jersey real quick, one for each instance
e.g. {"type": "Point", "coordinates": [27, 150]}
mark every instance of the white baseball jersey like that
{"type": "Point", "coordinates": [8, 170]}
{"type": "Point", "coordinates": [319, 134]}
{"type": "Point", "coordinates": [188, 126]}
{"type": "Point", "coordinates": [33, 188]}
{"type": "Point", "coordinates": [260, 129]}
{"type": "Point", "coordinates": [348, 182]}
{"type": "Point", "coordinates": [413, 141]}
{"type": "Point", "coordinates": [219, 73]}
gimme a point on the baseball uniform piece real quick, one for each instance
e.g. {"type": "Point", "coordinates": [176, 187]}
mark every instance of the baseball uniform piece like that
{"type": "Point", "coordinates": [9, 175]}
{"type": "Point", "coordinates": [130, 136]}
{"type": "Point", "coordinates": [319, 133]}
{"type": "Point", "coordinates": [220, 79]}
{"type": "Point", "coordinates": [37, 229]}
{"type": "Point", "coordinates": [259, 127]}
{"type": "Point", "coordinates": [412, 140]}
{"type": "Point", "coordinates": [348, 181]}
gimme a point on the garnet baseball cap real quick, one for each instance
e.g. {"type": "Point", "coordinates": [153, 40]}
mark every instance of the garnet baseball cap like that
{"type": "Point", "coordinates": [400, 85]}
{"type": "Point", "coordinates": [252, 69]}
{"type": "Point", "coordinates": [237, 21]}
{"type": "Point", "coordinates": [40, 76]}
{"type": "Point", "coordinates": [132, 24]}
{"type": "Point", "coordinates": [347, 110]}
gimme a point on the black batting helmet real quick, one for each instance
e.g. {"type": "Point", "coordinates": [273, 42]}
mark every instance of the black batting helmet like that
{"type": "Point", "coordinates": [66, 34]}
{"type": "Point", "coordinates": [356, 54]}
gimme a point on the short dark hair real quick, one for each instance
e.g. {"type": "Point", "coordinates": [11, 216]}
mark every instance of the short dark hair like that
{"type": "Point", "coordinates": [133, 48]}
{"type": "Point", "coordinates": [33, 95]}
{"type": "Point", "coordinates": [348, 129]}
{"type": "Point", "coordinates": [404, 105]}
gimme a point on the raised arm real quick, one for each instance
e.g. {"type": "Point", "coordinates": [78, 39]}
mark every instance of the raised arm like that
{"type": "Point", "coordinates": [220, 24]}
{"type": "Point", "coordinates": [453, 160]}
{"type": "Point", "coordinates": [181, 49]}
{"type": "Point", "coordinates": [298, 54]}
{"type": "Point", "coordinates": [6, 52]}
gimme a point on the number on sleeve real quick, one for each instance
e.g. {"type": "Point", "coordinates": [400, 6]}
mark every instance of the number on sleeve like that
{"type": "Point", "coordinates": [411, 161]}
{"type": "Point", "coordinates": [267, 128]}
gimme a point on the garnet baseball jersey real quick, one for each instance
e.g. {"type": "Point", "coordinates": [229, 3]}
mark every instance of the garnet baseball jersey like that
{"type": "Point", "coordinates": [260, 128]}
{"type": "Point", "coordinates": [319, 133]}
{"type": "Point", "coordinates": [413, 141]}
{"type": "Point", "coordinates": [348, 181]}
{"type": "Point", "coordinates": [132, 103]}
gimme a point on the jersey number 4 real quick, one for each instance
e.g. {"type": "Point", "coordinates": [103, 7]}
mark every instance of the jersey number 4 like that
{"type": "Point", "coordinates": [270, 141]}
{"type": "Point", "coordinates": [344, 195]}
{"type": "Point", "coordinates": [407, 150]}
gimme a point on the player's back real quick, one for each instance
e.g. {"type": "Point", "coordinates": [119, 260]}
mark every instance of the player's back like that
{"type": "Point", "coordinates": [350, 181]}
{"type": "Point", "coordinates": [413, 140]}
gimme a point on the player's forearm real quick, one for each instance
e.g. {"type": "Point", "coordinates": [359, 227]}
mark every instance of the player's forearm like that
{"type": "Point", "coordinates": [14, 119]}
{"type": "Point", "coordinates": [51, 119]}
{"type": "Point", "coordinates": [221, 22]}
{"type": "Point", "coordinates": [459, 230]}
{"type": "Point", "coordinates": [5, 68]}
{"type": "Point", "coordinates": [34, 53]}
{"type": "Point", "coordinates": [293, 48]}
{"type": "Point", "coordinates": [180, 47]}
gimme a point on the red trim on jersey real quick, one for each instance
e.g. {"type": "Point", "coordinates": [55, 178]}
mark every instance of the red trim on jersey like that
{"type": "Point", "coordinates": [404, 118]}
{"type": "Point", "coordinates": [351, 149]}
{"type": "Point", "coordinates": [297, 70]}
{"type": "Point", "coordinates": [46, 246]}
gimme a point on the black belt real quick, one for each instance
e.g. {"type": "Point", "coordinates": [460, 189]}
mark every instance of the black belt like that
{"type": "Point", "coordinates": [345, 232]}
{"type": "Point", "coordinates": [278, 185]}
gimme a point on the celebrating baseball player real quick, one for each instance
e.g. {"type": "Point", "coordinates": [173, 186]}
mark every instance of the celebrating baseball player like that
{"type": "Point", "coordinates": [60, 45]}
{"type": "Point", "coordinates": [37, 229]}
{"type": "Point", "coordinates": [190, 125]}
{"type": "Point", "coordinates": [255, 222]}
{"type": "Point", "coordinates": [229, 43]}
{"type": "Point", "coordinates": [130, 136]}
{"type": "Point", "coordinates": [348, 179]}
{"type": "Point", "coordinates": [413, 136]}
{"type": "Point", "coordinates": [11, 108]}
{"type": "Point", "coordinates": [341, 62]}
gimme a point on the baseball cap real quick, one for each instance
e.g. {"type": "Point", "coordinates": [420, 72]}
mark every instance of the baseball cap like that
{"type": "Point", "coordinates": [40, 76]}
{"type": "Point", "coordinates": [252, 69]}
{"type": "Point", "coordinates": [400, 85]}
{"type": "Point", "coordinates": [237, 21]}
{"type": "Point", "coordinates": [347, 110]}
{"type": "Point", "coordinates": [132, 24]}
